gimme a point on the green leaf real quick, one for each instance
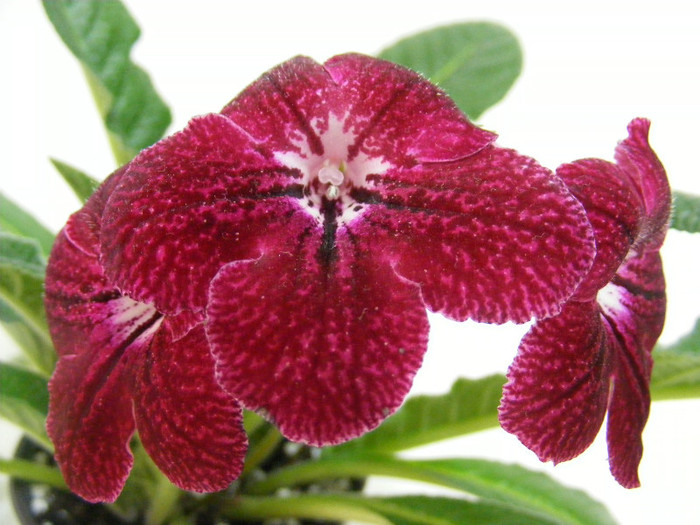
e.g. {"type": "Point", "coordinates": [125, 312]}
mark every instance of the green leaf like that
{"type": "Point", "coordinates": [15, 220]}
{"type": "Point", "coordinates": [676, 372]}
{"type": "Point", "coordinates": [21, 299]}
{"type": "Point", "coordinates": [471, 405]}
{"type": "Point", "coordinates": [426, 510]}
{"type": "Point", "coordinates": [24, 401]}
{"type": "Point", "coordinates": [82, 184]}
{"type": "Point", "coordinates": [402, 510]}
{"type": "Point", "coordinates": [475, 62]}
{"type": "Point", "coordinates": [686, 212]}
{"type": "Point", "coordinates": [33, 472]}
{"type": "Point", "coordinates": [21, 253]}
{"type": "Point", "coordinates": [101, 35]}
{"type": "Point", "coordinates": [491, 481]}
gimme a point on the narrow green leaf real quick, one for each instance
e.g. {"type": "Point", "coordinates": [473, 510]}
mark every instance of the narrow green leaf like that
{"type": "Point", "coordinates": [33, 472]}
{"type": "Point", "coordinates": [101, 35]}
{"type": "Point", "coordinates": [35, 345]}
{"type": "Point", "coordinates": [491, 481]}
{"type": "Point", "coordinates": [475, 62]}
{"type": "Point", "coordinates": [686, 212]}
{"type": "Point", "coordinates": [402, 510]}
{"type": "Point", "coordinates": [21, 253]}
{"type": "Point", "coordinates": [24, 401]}
{"type": "Point", "coordinates": [15, 220]}
{"type": "Point", "coordinates": [82, 184]}
{"type": "Point", "coordinates": [676, 372]}
{"type": "Point", "coordinates": [471, 405]}
{"type": "Point", "coordinates": [427, 510]}
{"type": "Point", "coordinates": [21, 299]}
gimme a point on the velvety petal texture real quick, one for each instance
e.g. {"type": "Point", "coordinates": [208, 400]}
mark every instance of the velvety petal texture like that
{"type": "Point", "coordinates": [106, 341]}
{"type": "Point", "coordinates": [282, 254]}
{"type": "Point", "coordinates": [596, 355]}
{"type": "Point", "coordinates": [327, 351]}
{"type": "Point", "coordinates": [493, 237]}
{"type": "Point", "coordinates": [187, 423]}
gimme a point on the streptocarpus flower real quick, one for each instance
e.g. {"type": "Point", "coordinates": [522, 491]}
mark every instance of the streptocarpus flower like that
{"type": "Point", "coordinates": [292, 243]}
{"type": "Point", "coordinates": [595, 356]}
{"type": "Point", "coordinates": [122, 365]}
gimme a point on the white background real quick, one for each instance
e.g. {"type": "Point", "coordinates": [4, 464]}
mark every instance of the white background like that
{"type": "Point", "coordinates": [590, 67]}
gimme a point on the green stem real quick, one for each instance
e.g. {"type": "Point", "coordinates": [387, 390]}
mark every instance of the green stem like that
{"type": "Point", "coordinates": [323, 507]}
{"type": "Point", "coordinates": [354, 466]}
{"type": "Point", "coordinates": [261, 450]}
{"type": "Point", "coordinates": [251, 422]}
{"type": "Point", "coordinates": [31, 471]}
{"type": "Point", "coordinates": [163, 501]}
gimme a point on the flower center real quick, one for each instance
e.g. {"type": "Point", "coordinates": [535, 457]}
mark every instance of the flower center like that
{"type": "Point", "coordinates": [333, 176]}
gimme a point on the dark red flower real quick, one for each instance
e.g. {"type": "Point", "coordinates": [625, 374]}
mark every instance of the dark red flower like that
{"type": "Point", "coordinates": [292, 244]}
{"type": "Point", "coordinates": [595, 356]}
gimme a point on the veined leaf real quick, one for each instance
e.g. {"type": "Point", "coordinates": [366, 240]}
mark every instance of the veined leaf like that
{"type": "Point", "coordinates": [35, 345]}
{"type": "Point", "coordinates": [22, 313]}
{"type": "Point", "coordinates": [676, 372]}
{"type": "Point", "coordinates": [475, 62]}
{"type": "Point", "coordinates": [15, 220]}
{"type": "Point", "coordinates": [471, 405]}
{"type": "Point", "coordinates": [686, 212]}
{"type": "Point", "coordinates": [24, 401]}
{"type": "Point", "coordinates": [100, 35]}
{"type": "Point", "coordinates": [21, 253]}
{"type": "Point", "coordinates": [493, 482]}
{"type": "Point", "coordinates": [82, 184]}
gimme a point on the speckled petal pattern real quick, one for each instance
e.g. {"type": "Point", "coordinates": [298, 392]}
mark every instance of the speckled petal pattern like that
{"type": "Point", "coordinates": [189, 426]}
{"type": "Point", "coordinates": [494, 237]}
{"type": "Point", "coordinates": [325, 350]}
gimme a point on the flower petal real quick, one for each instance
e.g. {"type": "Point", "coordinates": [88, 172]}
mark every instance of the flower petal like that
{"type": "Point", "coordinates": [399, 115]}
{"type": "Point", "coordinates": [557, 389]}
{"type": "Point", "coordinates": [634, 307]}
{"type": "Point", "coordinates": [90, 423]}
{"type": "Point", "coordinates": [191, 428]}
{"type": "Point", "coordinates": [615, 210]}
{"type": "Point", "coordinates": [83, 227]}
{"type": "Point", "coordinates": [493, 237]}
{"type": "Point", "coordinates": [325, 347]}
{"type": "Point", "coordinates": [638, 160]}
{"type": "Point", "coordinates": [287, 107]}
{"type": "Point", "coordinates": [196, 200]}
{"type": "Point", "coordinates": [90, 416]}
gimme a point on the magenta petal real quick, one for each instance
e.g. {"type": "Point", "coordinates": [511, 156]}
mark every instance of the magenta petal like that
{"type": "Point", "coordinates": [90, 417]}
{"type": "Point", "coordinates": [287, 106]}
{"type": "Point", "coordinates": [615, 210]}
{"type": "Point", "coordinates": [191, 428]}
{"type": "Point", "coordinates": [90, 424]}
{"type": "Point", "coordinates": [196, 200]}
{"type": "Point", "coordinates": [634, 306]}
{"type": "Point", "coordinates": [493, 237]}
{"type": "Point", "coordinates": [326, 348]}
{"type": "Point", "coordinates": [638, 160]}
{"type": "Point", "coordinates": [399, 115]}
{"type": "Point", "coordinates": [77, 295]}
{"type": "Point", "coordinates": [557, 390]}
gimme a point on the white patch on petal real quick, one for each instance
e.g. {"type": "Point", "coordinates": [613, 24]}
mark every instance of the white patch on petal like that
{"type": "Point", "coordinates": [332, 176]}
{"type": "Point", "coordinates": [128, 316]}
{"type": "Point", "coordinates": [610, 299]}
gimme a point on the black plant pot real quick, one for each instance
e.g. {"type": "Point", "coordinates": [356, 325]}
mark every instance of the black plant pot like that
{"type": "Point", "coordinates": [39, 504]}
